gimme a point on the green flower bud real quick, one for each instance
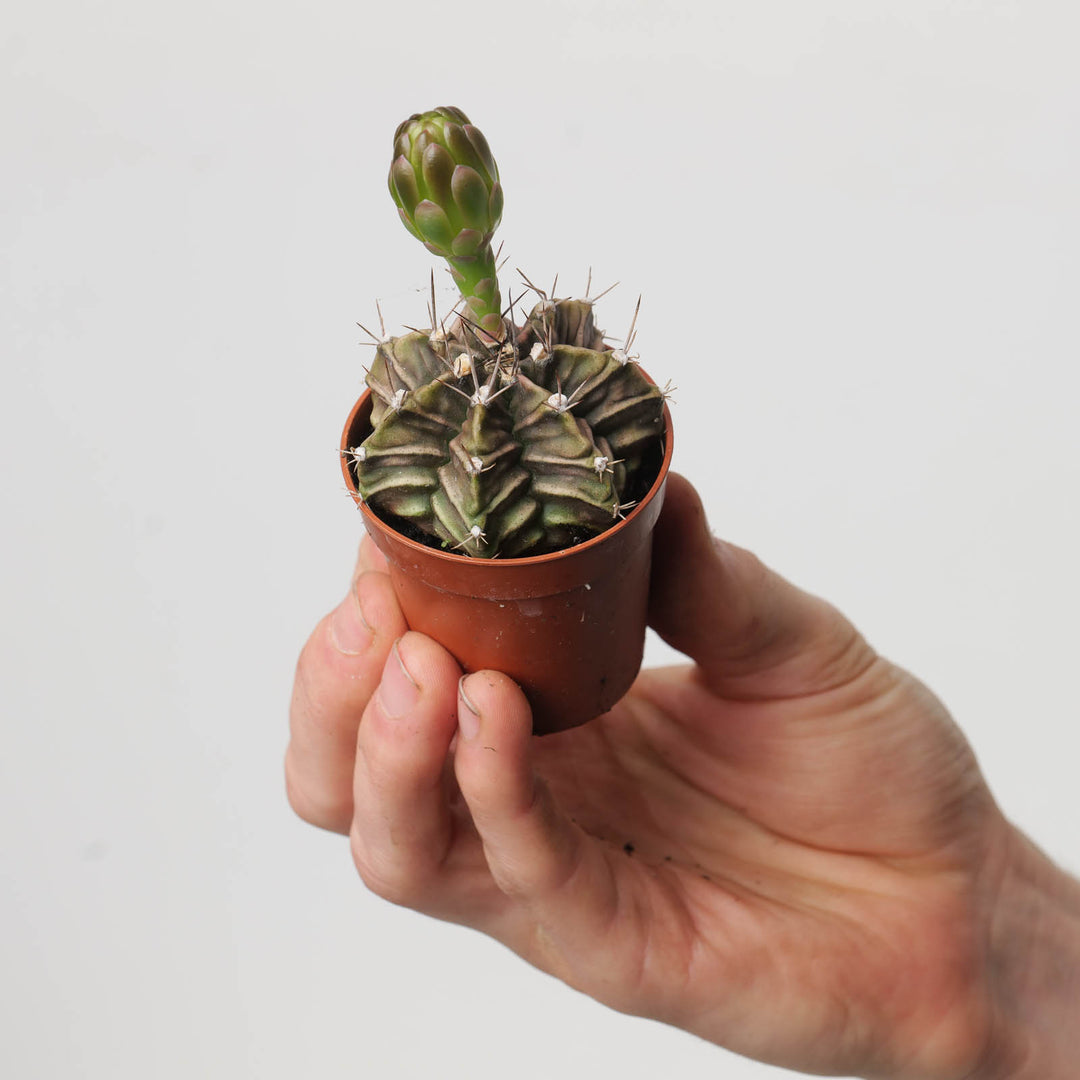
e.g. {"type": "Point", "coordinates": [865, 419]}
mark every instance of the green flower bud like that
{"type": "Point", "coordinates": [446, 186]}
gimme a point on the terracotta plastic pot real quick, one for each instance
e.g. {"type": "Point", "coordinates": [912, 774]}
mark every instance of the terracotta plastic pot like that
{"type": "Point", "coordinates": [568, 627]}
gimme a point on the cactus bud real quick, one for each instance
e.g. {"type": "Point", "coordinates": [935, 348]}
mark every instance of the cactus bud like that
{"type": "Point", "coordinates": [446, 186]}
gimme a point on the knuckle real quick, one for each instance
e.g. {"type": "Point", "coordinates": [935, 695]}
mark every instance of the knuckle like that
{"type": "Point", "coordinates": [332, 814]}
{"type": "Point", "coordinates": [389, 879]}
{"type": "Point", "coordinates": [512, 884]}
{"type": "Point", "coordinates": [528, 881]}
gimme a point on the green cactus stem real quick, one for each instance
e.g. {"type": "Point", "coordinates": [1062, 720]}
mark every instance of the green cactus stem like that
{"type": "Point", "coordinates": [446, 186]}
{"type": "Point", "coordinates": [495, 441]}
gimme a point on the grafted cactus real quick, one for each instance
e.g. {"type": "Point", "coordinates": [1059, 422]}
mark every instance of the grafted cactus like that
{"type": "Point", "coordinates": [493, 440]}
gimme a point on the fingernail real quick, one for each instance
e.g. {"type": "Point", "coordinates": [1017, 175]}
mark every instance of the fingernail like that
{"type": "Point", "coordinates": [398, 690]}
{"type": "Point", "coordinates": [469, 717]}
{"type": "Point", "coordinates": [349, 630]}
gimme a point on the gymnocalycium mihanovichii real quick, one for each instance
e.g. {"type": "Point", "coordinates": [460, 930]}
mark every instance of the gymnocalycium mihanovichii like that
{"type": "Point", "coordinates": [491, 439]}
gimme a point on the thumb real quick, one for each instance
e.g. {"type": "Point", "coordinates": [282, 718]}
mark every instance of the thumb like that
{"type": "Point", "coordinates": [752, 633]}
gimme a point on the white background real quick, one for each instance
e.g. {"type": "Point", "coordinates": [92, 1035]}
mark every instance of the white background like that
{"type": "Point", "coordinates": [856, 229]}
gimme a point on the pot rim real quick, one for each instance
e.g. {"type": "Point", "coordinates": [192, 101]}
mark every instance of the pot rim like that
{"type": "Point", "coordinates": [453, 558]}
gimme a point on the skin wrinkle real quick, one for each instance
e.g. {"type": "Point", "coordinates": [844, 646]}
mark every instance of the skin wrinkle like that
{"type": "Point", "coordinates": [775, 946]}
{"type": "Point", "coordinates": [508, 876]}
{"type": "Point", "coordinates": [955, 985]}
{"type": "Point", "coordinates": [689, 932]}
{"type": "Point", "coordinates": [962, 765]}
{"type": "Point", "coordinates": [831, 915]}
{"type": "Point", "coordinates": [756, 884]}
{"type": "Point", "coordinates": [475, 903]}
{"type": "Point", "coordinates": [381, 886]}
{"type": "Point", "coordinates": [659, 933]}
{"type": "Point", "coordinates": [859, 677]}
{"type": "Point", "coordinates": [641, 769]}
{"type": "Point", "coordinates": [955, 934]}
{"type": "Point", "coordinates": [756, 632]}
{"type": "Point", "coordinates": [575, 848]}
{"type": "Point", "coordinates": [834, 1018]}
{"type": "Point", "coordinates": [805, 894]}
{"type": "Point", "coordinates": [406, 839]}
{"type": "Point", "coordinates": [1033, 934]}
{"type": "Point", "coordinates": [853, 659]}
{"type": "Point", "coordinates": [700, 966]}
{"type": "Point", "coordinates": [739, 816]}
{"type": "Point", "coordinates": [942, 1030]}
{"type": "Point", "coordinates": [645, 928]}
{"type": "Point", "coordinates": [462, 828]}
{"type": "Point", "coordinates": [839, 1023]}
{"type": "Point", "coordinates": [404, 888]}
{"type": "Point", "coordinates": [757, 894]}
{"type": "Point", "coordinates": [558, 957]}
{"type": "Point", "coordinates": [615, 861]}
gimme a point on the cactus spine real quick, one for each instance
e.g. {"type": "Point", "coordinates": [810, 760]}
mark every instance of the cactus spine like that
{"type": "Point", "coordinates": [496, 440]}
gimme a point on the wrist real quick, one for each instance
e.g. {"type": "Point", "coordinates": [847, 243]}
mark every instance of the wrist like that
{"type": "Point", "coordinates": [1035, 969]}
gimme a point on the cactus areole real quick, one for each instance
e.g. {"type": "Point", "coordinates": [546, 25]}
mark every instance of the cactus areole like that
{"type": "Point", "coordinates": [492, 442]}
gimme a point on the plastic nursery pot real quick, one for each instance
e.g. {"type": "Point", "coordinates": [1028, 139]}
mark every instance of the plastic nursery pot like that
{"type": "Point", "coordinates": [568, 627]}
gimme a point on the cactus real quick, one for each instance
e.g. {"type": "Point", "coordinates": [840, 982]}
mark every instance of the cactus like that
{"type": "Point", "coordinates": [495, 440]}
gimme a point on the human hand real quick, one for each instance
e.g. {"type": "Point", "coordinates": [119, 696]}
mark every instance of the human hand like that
{"type": "Point", "coordinates": [786, 848]}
